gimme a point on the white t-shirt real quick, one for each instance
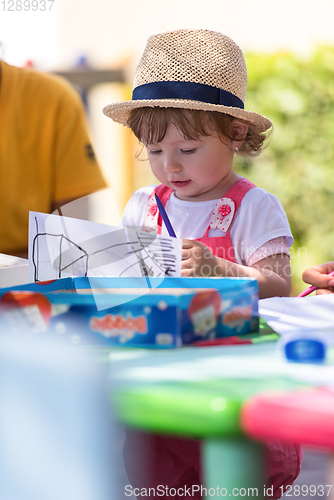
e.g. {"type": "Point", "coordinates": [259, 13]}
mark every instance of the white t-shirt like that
{"type": "Point", "coordinates": [259, 219]}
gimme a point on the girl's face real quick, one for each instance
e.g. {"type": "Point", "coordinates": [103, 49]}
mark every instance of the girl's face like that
{"type": "Point", "coordinates": [197, 170]}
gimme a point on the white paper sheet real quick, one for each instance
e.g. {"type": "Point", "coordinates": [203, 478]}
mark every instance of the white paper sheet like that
{"type": "Point", "coordinates": [13, 271]}
{"type": "Point", "coordinates": [64, 246]}
{"type": "Point", "coordinates": [285, 314]}
{"type": "Point", "coordinates": [11, 261]}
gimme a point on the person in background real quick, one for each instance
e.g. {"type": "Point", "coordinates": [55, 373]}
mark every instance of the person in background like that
{"type": "Point", "coordinates": [319, 276]}
{"type": "Point", "coordinates": [46, 156]}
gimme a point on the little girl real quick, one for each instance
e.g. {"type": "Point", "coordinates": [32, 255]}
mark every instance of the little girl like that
{"type": "Point", "coordinates": [188, 110]}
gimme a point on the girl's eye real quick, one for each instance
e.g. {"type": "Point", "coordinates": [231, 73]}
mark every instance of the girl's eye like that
{"type": "Point", "coordinates": [154, 151]}
{"type": "Point", "coordinates": [188, 151]}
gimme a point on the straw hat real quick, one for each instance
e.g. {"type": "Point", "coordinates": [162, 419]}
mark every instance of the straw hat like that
{"type": "Point", "coordinates": [190, 69]}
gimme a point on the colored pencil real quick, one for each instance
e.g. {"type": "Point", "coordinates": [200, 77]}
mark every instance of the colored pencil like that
{"type": "Point", "coordinates": [312, 288]}
{"type": "Point", "coordinates": [164, 216]}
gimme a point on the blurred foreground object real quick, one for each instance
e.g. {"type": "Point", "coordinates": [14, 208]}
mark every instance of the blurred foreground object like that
{"type": "Point", "coordinates": [55, 427]}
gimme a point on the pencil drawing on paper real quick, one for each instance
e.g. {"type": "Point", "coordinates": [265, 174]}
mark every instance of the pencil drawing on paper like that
{"type": "Point", "coordinates": [58, 251]}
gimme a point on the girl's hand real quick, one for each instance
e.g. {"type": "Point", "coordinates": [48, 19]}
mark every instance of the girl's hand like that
{"type": "Point", "coordinates": [272, 273]}
{"type": "Point", "coordinates": [197, 260]}
{"type": "Point", "coordinates": [318, 276]}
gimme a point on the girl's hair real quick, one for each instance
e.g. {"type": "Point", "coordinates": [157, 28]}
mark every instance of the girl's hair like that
{"type": "Point", "coordinates": [149, 124]}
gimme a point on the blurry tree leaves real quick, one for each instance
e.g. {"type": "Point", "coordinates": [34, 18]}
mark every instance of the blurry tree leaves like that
{"type": "Point", "coordinates": [298, 164]}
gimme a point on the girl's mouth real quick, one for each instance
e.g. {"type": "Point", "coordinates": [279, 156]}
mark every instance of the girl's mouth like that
{"type": "Point", "coordinates": [180, 184]}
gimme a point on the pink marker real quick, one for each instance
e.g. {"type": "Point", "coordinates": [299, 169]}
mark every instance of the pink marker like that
{"type": "Point", "coordinates": [312, 288]}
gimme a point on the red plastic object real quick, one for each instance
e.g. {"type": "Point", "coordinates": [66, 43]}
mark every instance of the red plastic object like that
{"type": "Point", "coordinates": [304, 417]}
{"type": "Point", "coordinates": [234, 340]}
{"type": "Point", "coordinates": [25, 299]}
{"type": "Point", "coordinates": [45, 282]}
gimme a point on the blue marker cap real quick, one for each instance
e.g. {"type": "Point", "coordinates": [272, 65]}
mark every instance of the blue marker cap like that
{"type": "Point", "coordinates": [304, 346]}
{"type": "Point", "coordinates": [305, 351]}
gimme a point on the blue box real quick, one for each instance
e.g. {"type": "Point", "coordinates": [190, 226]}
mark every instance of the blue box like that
{"type": "Point", "coordinates": [148, 312]}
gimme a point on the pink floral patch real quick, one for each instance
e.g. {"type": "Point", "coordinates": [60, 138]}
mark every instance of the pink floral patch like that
{"type": "Point", "coordinates": [224, 210]}
{"type": "Point", "coordinates": [153, 209]}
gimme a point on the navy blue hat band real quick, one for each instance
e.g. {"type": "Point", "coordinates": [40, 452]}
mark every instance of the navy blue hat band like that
{"type": "Point", "coordinates": [186, 90]}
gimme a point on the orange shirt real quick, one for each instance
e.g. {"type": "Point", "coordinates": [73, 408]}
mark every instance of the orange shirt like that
{"type": "Point", "coordinates": [45, 151]}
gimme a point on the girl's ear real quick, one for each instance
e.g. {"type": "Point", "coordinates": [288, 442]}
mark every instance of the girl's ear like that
{"type": "Point", "coordinates": [239, 130]}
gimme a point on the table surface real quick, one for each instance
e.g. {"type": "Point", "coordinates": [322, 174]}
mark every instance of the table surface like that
{"type": "Point", "coordinates": [201, 390]}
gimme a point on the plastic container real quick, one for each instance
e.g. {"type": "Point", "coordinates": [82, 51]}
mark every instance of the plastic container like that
{"type": "Point", "coordinates": [133, 312]}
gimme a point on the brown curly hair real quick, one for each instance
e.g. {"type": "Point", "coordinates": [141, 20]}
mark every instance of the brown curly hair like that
{"type": "Point", "coordinates": [149, 124]}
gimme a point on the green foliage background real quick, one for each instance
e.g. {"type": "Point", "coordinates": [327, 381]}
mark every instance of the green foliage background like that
{"type": "Point", "coordinates": [297, 94]}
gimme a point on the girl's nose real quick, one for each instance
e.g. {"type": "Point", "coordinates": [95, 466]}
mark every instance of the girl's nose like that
{"type": "Point", "coordinates": [171, 165]}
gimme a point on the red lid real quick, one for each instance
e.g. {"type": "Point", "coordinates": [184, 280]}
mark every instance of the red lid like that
{"type": "Point", "coordinates": [304, 417]}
